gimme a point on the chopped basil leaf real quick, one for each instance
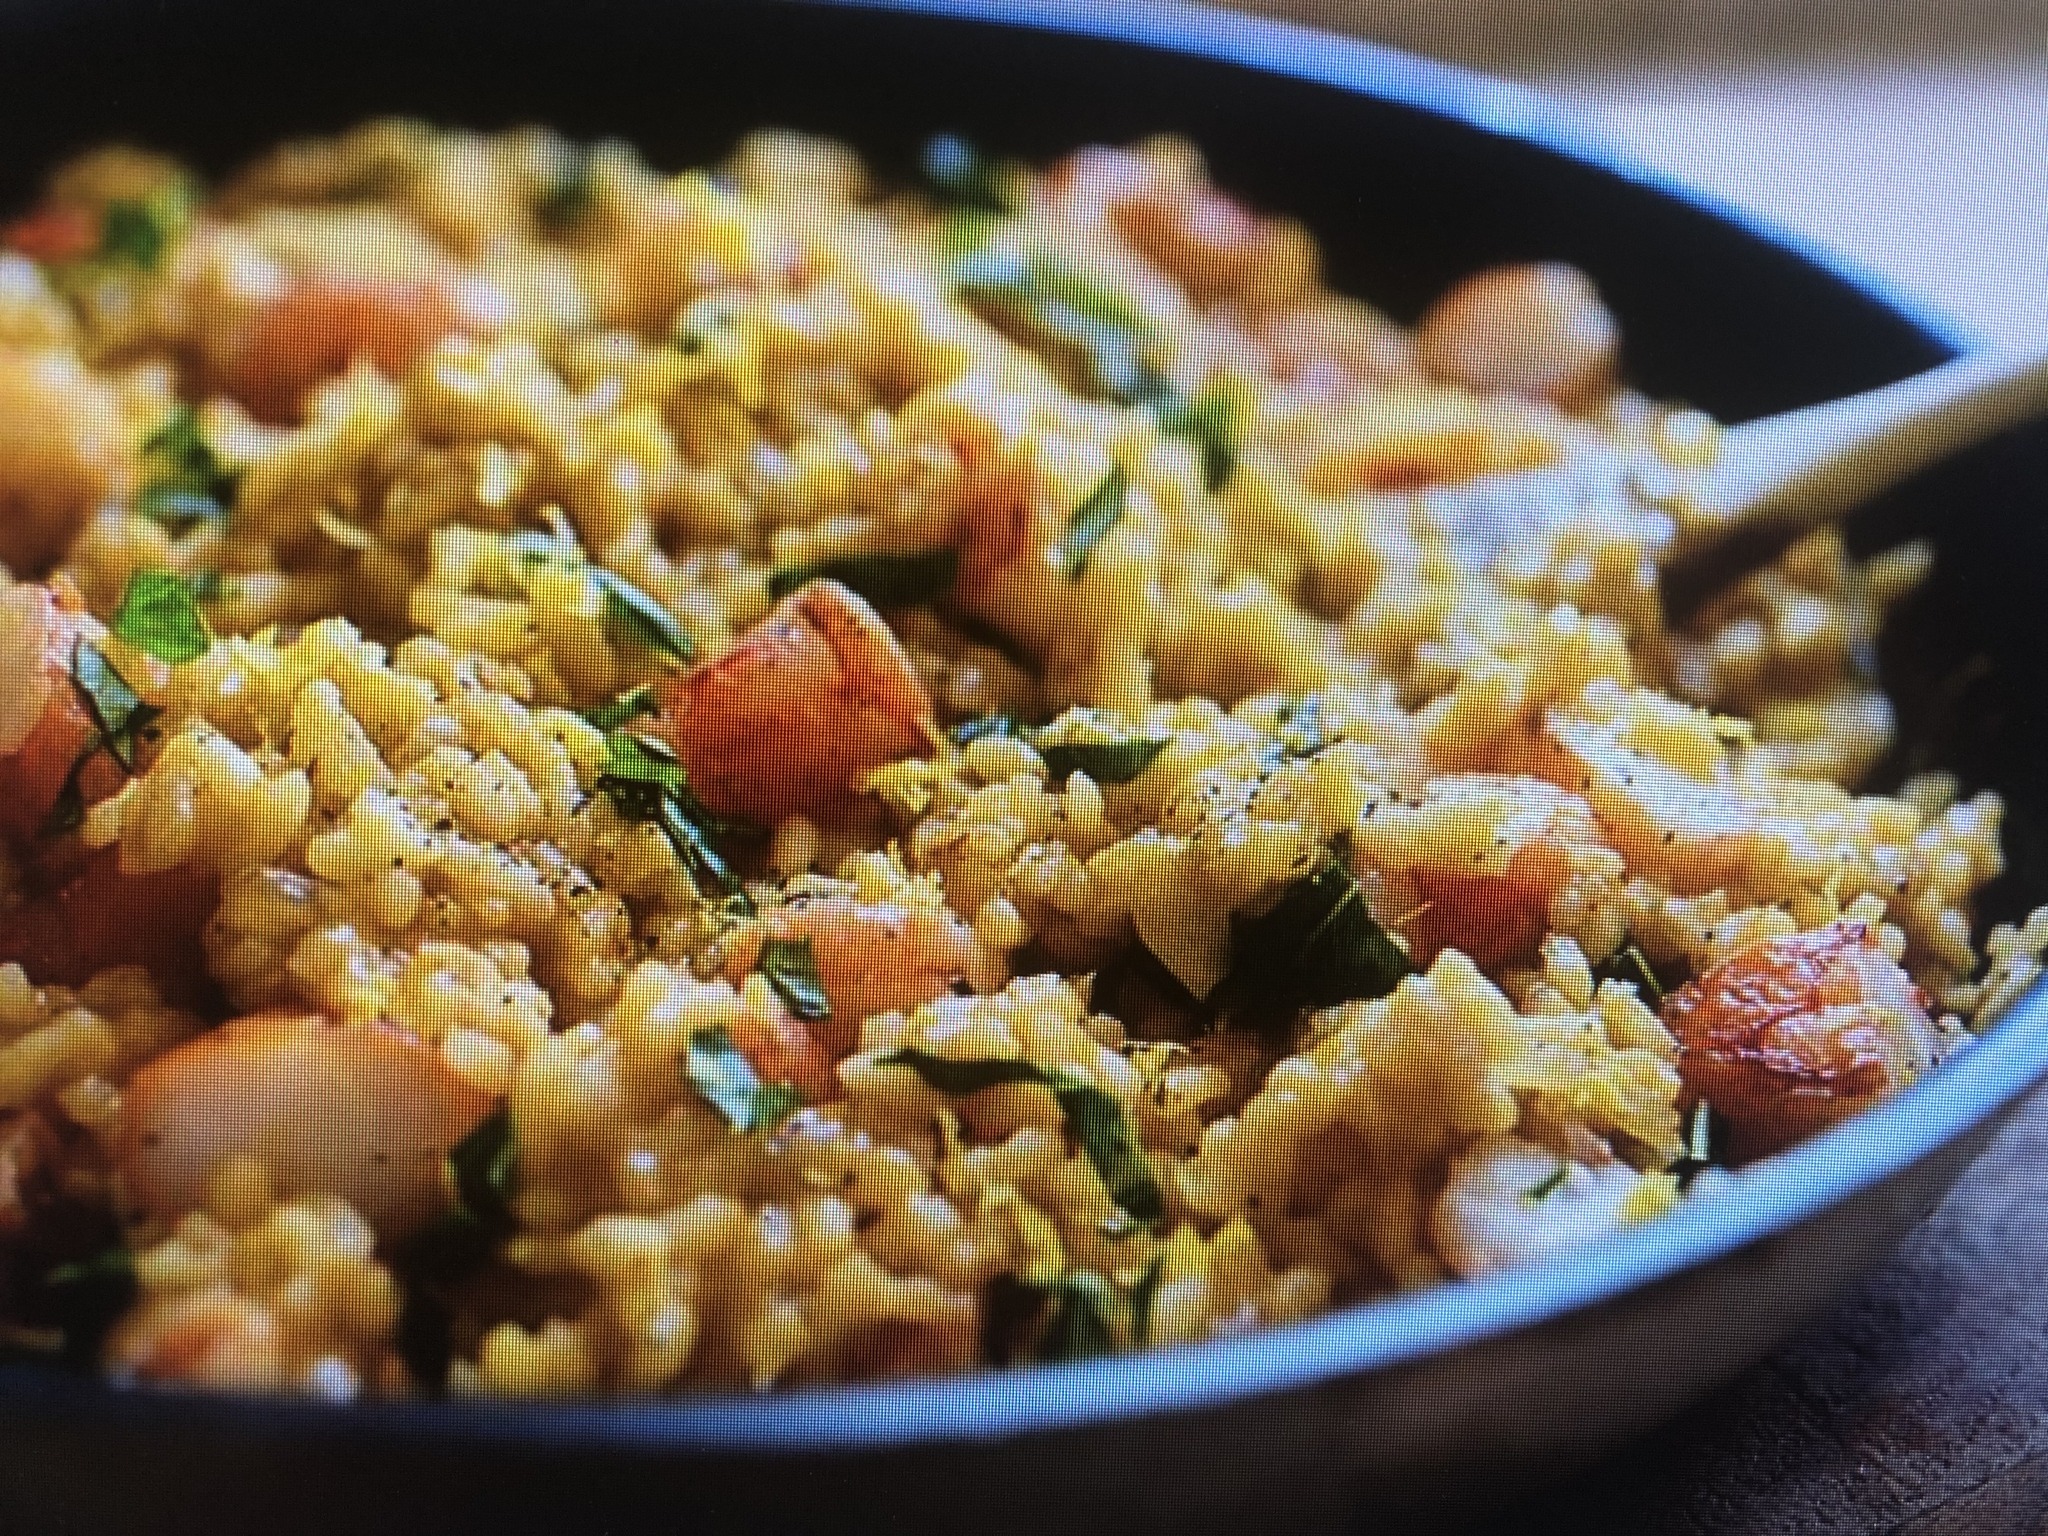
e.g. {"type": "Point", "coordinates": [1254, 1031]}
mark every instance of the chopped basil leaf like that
{"type": "Point", "coordinates": [1143, 1294]}
{"type": "Point", "coordinates": [960, 1078]}
{"type": "Point", "coordinates": [121, 718]}
{"type": "Point", "coordinates": [1064, 309]}
{"type": "Point", "coordinates": [187, 483]}
{"type": "Point", "coordinates": [1100, 510]}
{"type": "Point", "coordinates": [426, 1332]}
{"type": "Point", "coordinates": [158, 614]}
{"type": "Point", "coordinates": [1629, 964]}
{"type": "Point", "coordinates": [1548, 1185]}
{"type": "Point", "coordinates": [962, 231]}
{"type": "Point", "coordinates": [1078, 1316]}
{"type": "Point", "coordinates": [116, 708]}
{"type": "Point", "coordinates": [178, 507]}
{"type": "Point", "coordinates": [535, 546]}
{"type": "Point", "coordinates": [887, 581]}
{"type": "Point", "coordinates": [1210, 421]}
{"type": "Point", "coordinates": [1083, 1304]}
{"type": "Point", "coordinates": [791, 966]}
{"type": "Point", "coordinates": [721, 1073]}
{"type": "Point", "coordinates": [86, 1297]}
{"type": "Point", "coordinates": [483, 1171]}
{"type": "Point", "coordinates": [639, 617]}
{"type": "Point", "coordinates": [966, 177]}
{"type": "Point", "coordinates": [1705, 1144]}
{"type": "Point", "coordinates": [983, 726]}
{"type": "Point", "coordinates": [642, 760]}
{"type": "Point", "coordinates": [628, 706]}
{"type": "Point", "coordinates": [631, 614]}
{"type": "Point", "coordinates": [1302, 728]}
{"type": "Point", "coordinates": [1114, 342]}
{"type": "Point", "coordinates": [1096, 1121]}
{"type": "Point", "coordinates": [645, 783]}
{"type": "Point", "coordinates": [484, 1166]}
{"type": "Point", "coordinates": [1315, 947]}
{"type": "Point", "coordinates": [570, 193]}
{"type": "Point", "coordinates": [67, 811]}
{"type": "Point", "coordinates": [132, 231]}
{"type": "Point", "coordinates": [1106, 762]}
{"type": "Point", "coordinates": [137, 231]}
{"type": "Point", "coordinates": [210, 586]}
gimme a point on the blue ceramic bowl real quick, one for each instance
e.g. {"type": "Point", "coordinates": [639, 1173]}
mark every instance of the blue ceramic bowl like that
{"type": "Point", "coordinates": [1405, 1411]}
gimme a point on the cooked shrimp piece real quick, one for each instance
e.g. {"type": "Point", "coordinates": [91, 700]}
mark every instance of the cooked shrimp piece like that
{"type": "Point", "coordinates": [64, 451]}
{"type": "Point", "coordinates": [104, 917]}
{"type": "Point", "coordinates": [1508, 1201]}
{"type": "Point", "coordinates": [808, 700]}
{"type": "Point", "coordinates": [324, 323]}
{"type": "Point", "coordinates": [1693, 833]}
{"type": "Point", "coordinates": [366, 1112]}
{"type": "Point", "coordinates": [1495, 919]}
{"type": "Point", "coordinates": [55, 232]}
{"type": "Point", "coordinates": [45, 723]}
{"type": "Point", "coordinates": [207, 1338]}
{"type": "Point", "coordinates": [782, 1047]}
{"type": "Point", "coordinates": [1490, 857]}
{"type": "Point", "coordinates": [1163, 205]}
{"type": "Point", "coordinates": [83, 913]}
{"type": "Point", "coordinates": [873, 957]}
{"type": "Point", "coordinates": [1539, 331]}
{"type": "Point", "coordinates": [1793, 1035]}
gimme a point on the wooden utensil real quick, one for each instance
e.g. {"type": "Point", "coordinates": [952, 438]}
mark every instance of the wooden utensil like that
{"type": "Point", "coordinates": [1779, 476]}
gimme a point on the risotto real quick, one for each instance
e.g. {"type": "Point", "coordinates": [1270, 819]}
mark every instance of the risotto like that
{"type": "Point", "coordinates": [627, 783]}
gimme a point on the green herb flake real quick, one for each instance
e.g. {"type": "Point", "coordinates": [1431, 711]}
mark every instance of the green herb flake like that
{"type": "Point", "coordinates": [1106, 762]}
{"type": "Point", "coordinates": [85, 1298]}
{"type": "Point", "coordinates": [627, 707]}
{"type": "Point", "coordinates": [641, 760]}
{"type": "Point", "coordinates": [1096, 1121]}
{"type": "Point", "coordinates": [187, 482]}
{"type": "Point", "coordinates": [887, 581]}
{"type": "Point", "coordinates": [646, 783]}
{"type": "Point", "coordinates": [484, 1169]}
{"type": "Point", "coordinates": [160, 615]}
{"type": "Point", "coordinates": [116, 708]}
{"type": "Point", "coordinates": [984, 727]}
{"type": "Point", "coordinates": [1081, 1327]}
{"type": "Point", "coordinates": [1301, 727]}
{"type": "Point", "coordinates": [1068, 311]}
{"type": "Point", "coordinates": [1080, 1315]}
{"type": "Point", "coordinates": [1705, 1145]}
{"type": "Point", "coordinates": [570, 193]}
{"type": "Point", "coordinates": [1211, 421]}
{"type": "Point", "coordinates": [639, 618]}
{"type": "Point", "coordinates": [1114, 342]}
{"type": "Point", "coordinates": [1629, 964]}
{"type": "Point", "coordinates": [968, 179]}
{"type": "Point", "coordinates": [210, 586]}
{"type": "Point", "coordinates": [1315, 947]}
{"type": "Point", "coordinates": [132, 231]}
{"type": "Point", "coordinates": [67, 811]}
{"type": "Point", "coordinates": [1143, 1295]}
{"type": "Point", "coordinates": [136, 232]}
{"type": "Point", "coordinates": [791, 966]}
{"type": "Point", "coordinates": [1548, 1185]}
{"type": "Point", "coordinates": [727, 1081]}
{"type": "Point", "coordinates": [1089, 523]}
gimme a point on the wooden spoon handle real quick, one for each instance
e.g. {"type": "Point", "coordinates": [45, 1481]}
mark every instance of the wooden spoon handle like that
{"type": "Point", "coordinates": [1809, 466]}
